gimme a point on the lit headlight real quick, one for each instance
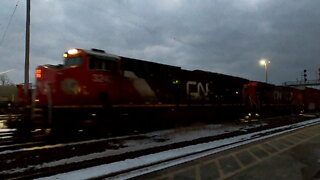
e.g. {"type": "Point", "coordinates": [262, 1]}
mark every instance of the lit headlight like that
{"type": "Point", "coordinates": [73, 51]}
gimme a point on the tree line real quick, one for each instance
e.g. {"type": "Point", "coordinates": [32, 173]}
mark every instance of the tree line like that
{"type": "Point", "coordinates": [4, 80]}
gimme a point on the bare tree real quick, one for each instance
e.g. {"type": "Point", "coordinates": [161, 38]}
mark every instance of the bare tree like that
{"type": "Point", "coordinates": [4, 80]}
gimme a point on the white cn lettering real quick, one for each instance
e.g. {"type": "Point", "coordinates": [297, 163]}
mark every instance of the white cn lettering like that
{"type": "Point", "coordinates": [189, 84]}
{"type": "Point", "coordinates": [200, 89]}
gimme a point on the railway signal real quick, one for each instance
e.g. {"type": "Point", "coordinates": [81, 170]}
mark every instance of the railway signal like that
{"type": "Point", "coordinates": [304, 80]}
{"type": "Point", "coordinates": [305, 75]}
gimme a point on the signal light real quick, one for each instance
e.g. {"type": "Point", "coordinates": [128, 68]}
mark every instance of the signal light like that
{"type": "Point", "coordinates": [305, 75]}
{"type": "Point", "coordinates": [38, 73]}
{"type": "Point", "coordinates": [73, 51]}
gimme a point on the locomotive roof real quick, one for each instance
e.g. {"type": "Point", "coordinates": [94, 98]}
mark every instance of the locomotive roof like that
{"type": "Point", "coordinates": [219, 74]}
{"type": "Point", "coordinates": [100, 53]}
{"type": "Point", "coordinates": [139, 65]}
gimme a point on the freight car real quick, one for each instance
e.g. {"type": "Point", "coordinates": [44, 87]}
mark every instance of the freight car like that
{"type": "Point", "coordinates": [311, 99]}
{"type": "Point", "coordinates": [10, 99]}
{"type": "Point", "coordinates": [270, 100]}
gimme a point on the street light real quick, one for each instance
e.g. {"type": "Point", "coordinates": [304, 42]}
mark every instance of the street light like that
{"type": "Point", "coordinates": [265, 62]}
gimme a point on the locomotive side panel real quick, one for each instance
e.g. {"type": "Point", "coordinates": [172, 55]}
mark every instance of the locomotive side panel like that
{"type": "Point", "coordinates": [172, 85]}
{"type": "Point", "coordinates": [156, 83]}
{"type": "Point", "coordinates": [311, 99]}
{"type": "Point", "coordinates": [212, 88]}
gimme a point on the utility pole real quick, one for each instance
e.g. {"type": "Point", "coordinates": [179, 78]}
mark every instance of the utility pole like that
{"type": "Point", "coordinates": [26, 62]}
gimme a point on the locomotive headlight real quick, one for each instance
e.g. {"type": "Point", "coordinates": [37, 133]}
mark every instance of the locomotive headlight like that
{"type": "Point", "coordinates": [73, 51]}
{"type": "Point", "coordinates": [65, 55]}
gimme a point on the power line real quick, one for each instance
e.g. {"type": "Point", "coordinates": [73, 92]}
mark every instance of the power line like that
{"type": "Point", "coordinates": [3, 72]}
{"type": "Point", "coordinates": [5, 31]}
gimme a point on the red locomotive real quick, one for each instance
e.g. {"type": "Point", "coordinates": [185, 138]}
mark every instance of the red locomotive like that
{"type": "Point", "coordinates": [96, 88]}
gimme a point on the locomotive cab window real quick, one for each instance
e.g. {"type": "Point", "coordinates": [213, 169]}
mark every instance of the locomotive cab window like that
{"type": "Point", "coordinates": [97, 63]}
{"type": "Point", "coordinates": [74, 61]}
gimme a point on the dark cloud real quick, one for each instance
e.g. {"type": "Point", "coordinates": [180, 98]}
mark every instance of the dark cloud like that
{"type": "Point", "coordinates": [221, 36]}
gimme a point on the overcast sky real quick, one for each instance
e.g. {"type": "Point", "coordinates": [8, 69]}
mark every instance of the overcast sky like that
{"type": "Point", "coordinates": [224, 36]}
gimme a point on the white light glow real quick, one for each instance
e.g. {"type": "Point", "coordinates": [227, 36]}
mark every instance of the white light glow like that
{"type": "Point", "coordinates": [264, 62]}
{"type": "Point", "coordinates": [73, 51]}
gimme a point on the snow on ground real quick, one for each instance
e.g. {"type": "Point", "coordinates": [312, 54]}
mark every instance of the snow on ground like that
{"type": "Point", "coordinates": [204, 149]}
{"type": "Point", "coordinates": [189, 133]}
{"type": "Point", "coordinates": [152, 139]}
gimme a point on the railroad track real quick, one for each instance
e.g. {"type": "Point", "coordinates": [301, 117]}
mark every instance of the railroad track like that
{"type": "Point", "coordinates": [133, 167]}
{"type": "Point", "coordinates": [15, 146]}
{"type": "Point", "coordinates": [66, 157]}
{"type": "Point", "coordinates": [6, 135]}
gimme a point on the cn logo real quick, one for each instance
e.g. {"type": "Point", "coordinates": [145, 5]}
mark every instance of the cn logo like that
{"type": "Point", "coordinates": [197, 89]}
